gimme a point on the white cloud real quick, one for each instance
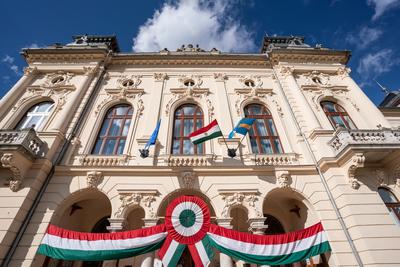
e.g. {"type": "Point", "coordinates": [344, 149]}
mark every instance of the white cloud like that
{"type": "Point", "coordinates": [364, 37]}
{"type": "Point", "coordinates": [8, 59]}
{"type": "Point", "coordinates": [372, 65]}
{"type": "Point", "coordinates": [381, 6]}
{"type": "Point", "coordinates": [204, 22]}
{"type": "Point", "coordinates": [33, 45]}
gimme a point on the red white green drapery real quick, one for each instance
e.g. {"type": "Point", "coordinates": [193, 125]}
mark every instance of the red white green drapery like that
{"type": "Point", "coordinates": [187, 223]}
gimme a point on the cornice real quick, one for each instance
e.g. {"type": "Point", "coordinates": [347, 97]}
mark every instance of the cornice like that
{"type": "Point", "coordinates": [64, 54]}
{"type": "Point", "coordinates": [309, 55]}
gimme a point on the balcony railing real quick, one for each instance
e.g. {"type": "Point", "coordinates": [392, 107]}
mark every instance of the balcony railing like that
{"type": "Point", "coordinates": [188, 160]}
{"type": "Point", "coordinates": [272, 159]}
{"type": "Point", "coordinates": [26, 139]}
{"type": "Point", "coordinates": [382, 137]}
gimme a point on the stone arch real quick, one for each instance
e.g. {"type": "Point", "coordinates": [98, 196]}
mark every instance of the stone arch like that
{"type": "Point", "coordinates": [94, 203]}
{"type": "Point", "coordinates": [291, 208]}
{"type": "Point", "coordinates": [180, 192]}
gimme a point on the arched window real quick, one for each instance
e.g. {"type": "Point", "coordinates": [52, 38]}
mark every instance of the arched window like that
{"type": "Point", "coordinates": [36, 116]}
{"type": "Point", "coordinates": [264, 138]}
{"type": "Point", "coordinates": [391, 202]}
{"type": "Point", "coordinates": [187, 119]}
{"type": "Point", "coordinates": [112, 136]}
{"type": "Point", "coordinates": [337, 115]}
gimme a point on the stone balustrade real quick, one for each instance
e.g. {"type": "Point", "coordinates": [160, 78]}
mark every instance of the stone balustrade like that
{"type": "Point", "coordinates": [271, 159]}
{"type": "Point", "coordinates": [380, 137]}
{"type": "Point", "coordinates": [188, 160]}
{"type": "Point", "coordinates": [25, 139]}
{"type": "Point", "coordinates": [102, 160]}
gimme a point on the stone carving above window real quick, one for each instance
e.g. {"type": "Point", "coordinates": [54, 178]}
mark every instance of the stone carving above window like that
{"type": "Point", "coordinates": [141, 199]}
{"type": "Point", "coordinates": [159, 77]}
{"type": "Point", "coordinates": [316, 78]}
{"type": "Point", "coordinates": [7, 160]}
{"type": "Point", "coordinates": [129, 81]}
{"type": "Point", "coordinates": [246, 199]}
{"type": "Point", "coordinates": [251, 81]}
{"type": "Point", "coordinates": [190, 81]}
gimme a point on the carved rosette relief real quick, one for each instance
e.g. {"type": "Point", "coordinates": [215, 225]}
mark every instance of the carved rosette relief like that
{"type": "Point", "coordinates": [357, 161]}
{"type": "Point", "coordinates": [93, 179]}
{"type": "Point", "coordinates": [137, 199]}
{"type": "Point", "coordinates": [56, 86]}
{"type": "Point", "coordinates": [241, 199]}
{"type": "Point", "coordinates": [159, 77]}
{"type": "Point", "coordinates": [7, 160]}
{"type": "Point", "coordinates": [126, 90]}
{"type": "Point", "coordinates": [190, 88]}
{"type": "Point", "coordinates": [283, 179]}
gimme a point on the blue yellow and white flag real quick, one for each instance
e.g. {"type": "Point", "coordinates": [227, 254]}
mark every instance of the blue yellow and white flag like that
{"type": "Point", "coordinates": [243, 126]}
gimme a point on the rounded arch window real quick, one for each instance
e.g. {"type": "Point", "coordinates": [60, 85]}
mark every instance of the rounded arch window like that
{"type": "Point", "coordinates": [58, 79]}
{"type": "Point", "coordinates": [36, 116]}
{"type": "Point", "coordinates": [264, 138]}
{"type": "Point", "coordinates": [249, 83]}
{"type": "Point", "coordinates": [391, 202]}
{"type": "Point", "coordinates": [189, 83]}
{"type": "Point", "coordinates": [337, 115]}
{"type": "Point", "coordinates": [114, 130]}
{"type": "Point", "coordinates": [127, 83]}
{"type": "Point", "coordinates": [187, 119]}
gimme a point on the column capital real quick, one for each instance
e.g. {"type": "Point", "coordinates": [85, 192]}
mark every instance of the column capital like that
{"type": "Point", "coordinates": [257, 225]}
{"type": "Point", "coordinates": [224, 222]}
{"type": "Point", "coordinates": [116, 224]}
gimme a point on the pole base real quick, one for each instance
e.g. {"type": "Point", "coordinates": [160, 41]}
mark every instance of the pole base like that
{"type": "Point", "coordinates": [144, 153]}
{"type": "Point", "coordinates": [231, 152]}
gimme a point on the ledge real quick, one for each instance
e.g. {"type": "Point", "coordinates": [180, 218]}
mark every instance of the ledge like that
{"type": "Point", "coordinates": [271, 159]}
{"type": "Point", "coordinates": [102, 160]}
{"type": "Point", "coordinates": [188, 160]}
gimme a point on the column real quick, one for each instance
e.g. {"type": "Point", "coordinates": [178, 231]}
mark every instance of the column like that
{"type": "Point", "coordinates": [257, 227]}
{"type": "Point", "coordinates": [16, 91]}
{"type": "Point", "coordinates": [148, 258]}
{"type": "Point", "coordinates": [73, 100]}
{"type": "Point", "coordinates": [225, 260]}
{"type": "Point", "coordinates": [302, 109]}
{"type": "Point", "coordinates": [116, 225]}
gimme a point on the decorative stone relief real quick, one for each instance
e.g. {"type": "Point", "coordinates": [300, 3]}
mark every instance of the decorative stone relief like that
{"type": "Point", "coordinates": [57, 79]}
{"type": "Point", "coordinates": [129, 81]}
{"type": "Point", "coordinates": [93, 179]}
{"type": "Point", "coordinates": [143, 200]}
{"type": "Point", "coordinates": [195, 79]}
{"type": "Point", "coordinates": [188, 179]}
{"type": "Point", "coordinates": [159, 77]}
{"type": "Point", "coordinates": [343, 72]}
{"type": "Point", "coordinates": [285, 71]}
{"type": "Point", "coordinates": [251, 81]}
{"type": "Point", "coordinates": [247, 200]}
{"type": "Point", "coordinates": [317, 78]}
{"type": "Point", "coordinates": [380, 176]}
{"type": "Point", "coordinates": [220, 77]}
{"type": "Point", "coordinates": [357, 161]}
{"type": "Point", "coordinates": [7, 160]}
{"type": "Point", "coordinates": [30, 70]}
{"type": "Point", "coordinates": [283, 179]}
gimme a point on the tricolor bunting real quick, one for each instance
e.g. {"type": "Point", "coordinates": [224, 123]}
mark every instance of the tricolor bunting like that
{"type": "Point", "coordinates": [242, 127]}
{"type": "Point", "coordinates": [206, 133]}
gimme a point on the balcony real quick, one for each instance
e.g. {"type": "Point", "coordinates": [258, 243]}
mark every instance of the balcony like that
{"type": "Point", "coordinates": [366, 140]}
{"type": "Point", "coordinates": [18, 150]}
{"type": "Point", "coordinates": [187, 160]}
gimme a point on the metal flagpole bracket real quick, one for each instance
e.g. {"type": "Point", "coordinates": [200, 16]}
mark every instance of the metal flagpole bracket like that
{"type": "Point", "coordinates": [231, 152]}
{"type": "Point", "coordinates": [144, 153]}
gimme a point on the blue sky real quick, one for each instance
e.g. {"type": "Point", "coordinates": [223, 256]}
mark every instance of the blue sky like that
{"type": "Point", "coordinates": [369, 28]}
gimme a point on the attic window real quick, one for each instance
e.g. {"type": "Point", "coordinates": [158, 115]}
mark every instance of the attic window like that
{"type": "Point", "coordinates": [316, 80]}
{"type": "Point", "coordinates": [57, 79]}
{"type": "Point", "coordinates": [249, 83]}
{"type": "Point", "coordinates": [127, 83]}
{"type": "Point", "coordinates": [189, 83]}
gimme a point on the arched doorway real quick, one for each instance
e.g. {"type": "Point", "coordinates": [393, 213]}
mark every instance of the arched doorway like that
{"type": "Point", "coordinates": [83, 211]}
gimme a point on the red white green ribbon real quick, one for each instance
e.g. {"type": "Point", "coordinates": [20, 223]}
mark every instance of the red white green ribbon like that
{"type": "Point", "coordinates": [64, 244]}
{"type": "Point", "coordinates": [187, 223]}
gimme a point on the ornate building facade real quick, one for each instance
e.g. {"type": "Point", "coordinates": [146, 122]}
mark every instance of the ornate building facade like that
{"type": "Point", "coordinates": [320, 150]}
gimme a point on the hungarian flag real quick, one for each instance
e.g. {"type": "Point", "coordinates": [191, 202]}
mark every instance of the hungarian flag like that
{"type": "Point", "coordinates": [208, 132]}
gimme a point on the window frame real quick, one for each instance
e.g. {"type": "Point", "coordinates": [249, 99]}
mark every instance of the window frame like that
{"type": "Point", "coordinates": [181, 136]}
{"type": "Point", "coordinates": [340, 112]}
{"type": "Point", "coordinates": [265, 117]}
{"type": "Point", "coordinates": [127, 116]}
{"type": "Point", "coordinates": [393, 207]}
{"type": "Point", "coordinates": [44, 116]}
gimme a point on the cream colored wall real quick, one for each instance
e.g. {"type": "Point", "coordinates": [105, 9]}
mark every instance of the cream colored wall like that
{"type": "Point", "coordinates": [153, 179]}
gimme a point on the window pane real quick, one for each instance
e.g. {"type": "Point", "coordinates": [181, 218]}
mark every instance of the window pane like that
{"type": "Point", "coordinates": [337, 121]}
{"type": "Point", "coordinates": [115, 127]}
{"type": "Point", "coordinates": [261, 129]}
{"type": "Point", "coordinates": [96, 149]}
{"type": "Point", "coordinates": [199, 124]}
{"type": "Point", "coordinates": [43, 107]}
{"type": "Point", "coordinates": [104, 127]}
{"type": "Point", "coordinates": [188, 147]}
{"type": "Point", "coordinates": [188, 127]}
{"type": "Point", "coordinates": [254, 146]}
{"type": "Point", "coordinates": [272, 127]}
{"type": "Point", "coordinates": [266, 145]}
{"type": "Point", "coordinates": [387, 196]}
{"type": "Point", "coordinates": [255, 109]}
{"type": "Point", "coordinates": [348, 120]}
{"type": "Point", "coordinates": [109, 147]}
{"type": "Point", "coordinates": [126, 127]}
{"type": "Point", "coordinates": [328, 106]}
{"type": "Point", "coordinates": [175, 147]}
{"type": "Point", "coordinates": [177, 129]}
{"type": "Point", "coordinates": [121, 110]}
{"type": "Point", "coordinates": [199, 112]}
{"type": "Point", "coordinates": [200, 149]}
{"type": "Point", "coordinates": [33, 122]}
{"type": "Point", "coordinates": [121, 146]}
{"type": "Point", "coordinates": [188, 110]}
{"type": "Point", "coordinates": [278, 146]}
